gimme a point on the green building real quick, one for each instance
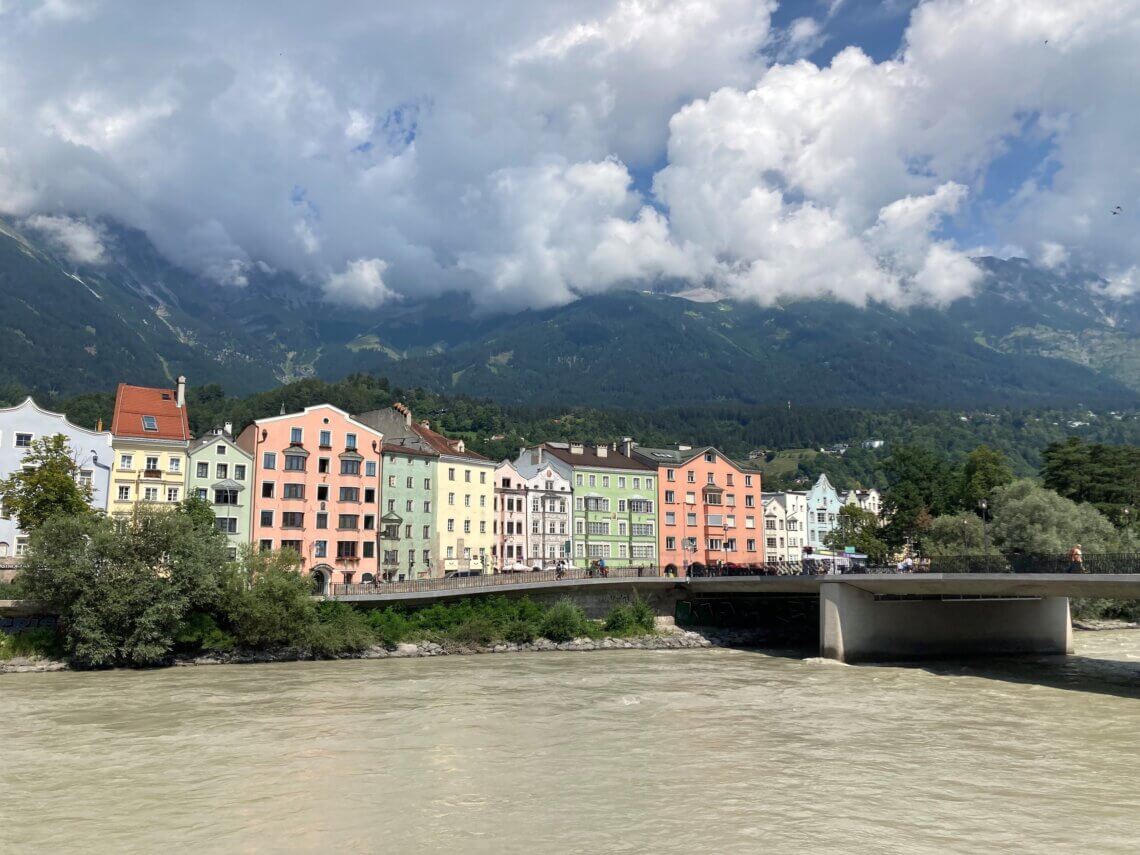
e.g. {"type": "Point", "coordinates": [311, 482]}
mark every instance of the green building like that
{"type": "Point", "coordinates": [615, 502]}
{"type": "Point", "coordinates": [221, 474]}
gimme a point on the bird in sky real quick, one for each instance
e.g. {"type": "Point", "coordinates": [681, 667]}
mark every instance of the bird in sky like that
{"type": "Point", "coordinates": [1117, 210]}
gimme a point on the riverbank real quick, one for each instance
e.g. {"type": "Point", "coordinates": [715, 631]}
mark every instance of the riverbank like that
{"type": "Point", "coordinates": [677, 639]}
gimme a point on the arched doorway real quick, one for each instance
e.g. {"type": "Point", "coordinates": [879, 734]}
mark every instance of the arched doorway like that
{"type": "Point", "coordinates": [321, 575]}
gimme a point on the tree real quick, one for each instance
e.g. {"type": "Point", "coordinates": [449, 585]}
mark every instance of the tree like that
{"type": "Point", "coordinates": [47, 484]}
{"type": "Point", "coordinates": [122, 588]}
{"type": "Point", "coordinates": [984, 470]}
{"type": "Point", "coordinates": [959, 534]}
{"type": "Point", "coordinates": [1032, 519]}
{"type": "Point", "coordinates": [268, 602]}
{"type": "Point", "coordinates": [860, 529]}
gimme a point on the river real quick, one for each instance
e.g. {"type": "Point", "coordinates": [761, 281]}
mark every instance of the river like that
{"type": "Point", "coordinates": [717, 751]}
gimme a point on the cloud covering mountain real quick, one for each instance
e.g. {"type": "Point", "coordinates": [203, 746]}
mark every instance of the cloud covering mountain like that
{"type": "Point", "coordinates": [532, 153]}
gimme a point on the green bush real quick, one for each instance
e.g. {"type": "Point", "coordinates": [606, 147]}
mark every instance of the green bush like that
{"type": "Point", "coordinates": [620, 621]}
{"type": "Point", "coordinates": [520, 631]}
{"type": "Point", "coordinates": [564, 621]}
{"type": "Point", "coordinates": [389, 626]}
{"type": "Point", "coordinates": [476, 629]}
{"type": "Point", "coordinates": [339, 629]}
{"type": "Point", "coordinates": [1099, 608]}
{"type": "Point", "coordinates": [41, 643]}
{"type": "Point", "coordinates": [199, 631]}
{"type": "Point", "coordinates": [643, 616]}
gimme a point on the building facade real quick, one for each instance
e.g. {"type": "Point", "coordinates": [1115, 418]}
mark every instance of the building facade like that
{"type": "Point", "coordinates": [316, 484]}
{"type": "Point", "coordinates": [20, 426]}
{"type": "Point", "coordinates": [150, 435]}
{"type": "Point", "coordinates": [462, 500]}
{"type": "Point", "coordinates": [785, 526]}
{"type": "Point", "coordinates": [221, 473]}
{"type": "Point", "coordinates": [823, 512]}
{"type": "Point", "coordinates": [615, 502]}
{"type": "Point", "coordinates": [549, 509]}
{"type": "Point", "coordinates": [710, 508]}
{"type": "Point", "coordinates": [512, 548]}
{"type": "Point", "coordinates": [407, 521]}
{"type": "Point", "coordinates": [867, 500]}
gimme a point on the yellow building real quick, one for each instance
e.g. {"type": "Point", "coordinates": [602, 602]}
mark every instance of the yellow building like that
{"type": "Point", "coordinates": [150, 435]}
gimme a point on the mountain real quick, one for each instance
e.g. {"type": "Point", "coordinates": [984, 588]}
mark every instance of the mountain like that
{"type": "Point", "coordinates": [1028, 336]}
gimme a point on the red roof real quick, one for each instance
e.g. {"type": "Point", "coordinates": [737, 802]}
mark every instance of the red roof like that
{"type": "Point", "coordinates": [133, 403]}
{"type": "Point", "coordinates": [443, 444]}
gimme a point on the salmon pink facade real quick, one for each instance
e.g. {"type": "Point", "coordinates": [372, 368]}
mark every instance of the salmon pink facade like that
{"type": "Point", "coordinates": [316, 489]}
{"type": "Point", "coordinates": [711, 510]}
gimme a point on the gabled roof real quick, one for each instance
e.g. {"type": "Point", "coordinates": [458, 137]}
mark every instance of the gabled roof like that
{"type": "Point", "coordinates": [212, 437]}
{"type": "Point", "coordinates": [133, 403]}
{"type": "Point", "coordinates": [401, 445]}
{"type": "Point", "coordinates": [589, 458]}
{"type": "Point", "coordinates": [446, 445]}
{"type": "Point", "coordinates": [668, 456]}
{"type": "Point", "coordinates": [29, 403]}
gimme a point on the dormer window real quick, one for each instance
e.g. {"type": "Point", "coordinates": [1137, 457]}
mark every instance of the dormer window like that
{"type": "Point", "coordinates": [150, 423]}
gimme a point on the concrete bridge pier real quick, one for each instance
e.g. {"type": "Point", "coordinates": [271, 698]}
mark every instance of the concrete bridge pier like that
{"type": "Point", "coordinates": [857, 626]}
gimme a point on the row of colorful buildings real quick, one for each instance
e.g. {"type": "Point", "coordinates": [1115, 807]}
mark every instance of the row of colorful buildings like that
{"type": "Point", "coordinates": [382, 496]}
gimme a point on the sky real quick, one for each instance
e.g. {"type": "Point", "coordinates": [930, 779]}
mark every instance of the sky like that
{"type": "Point", "coordinates": [531, 153]}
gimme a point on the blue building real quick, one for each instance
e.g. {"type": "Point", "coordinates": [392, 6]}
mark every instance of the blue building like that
{"type": "Point", "coordinates": [20, 426]}
{"type": "Point", "coordinates": [823, 504]}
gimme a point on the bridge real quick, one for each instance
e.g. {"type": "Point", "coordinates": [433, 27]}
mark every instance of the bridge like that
{"type": "Point", "coordinates": [952, 607]}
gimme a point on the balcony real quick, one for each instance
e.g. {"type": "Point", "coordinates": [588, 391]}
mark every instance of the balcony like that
{"type": "Point", "coordinates": [152, 473]}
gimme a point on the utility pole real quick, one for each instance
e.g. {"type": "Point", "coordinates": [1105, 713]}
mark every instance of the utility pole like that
{"type": "Point", "coordinates": [985, 539]}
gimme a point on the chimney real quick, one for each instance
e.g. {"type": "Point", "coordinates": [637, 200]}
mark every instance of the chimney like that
{"type": "Point", "coordinates": [99, 426]}
{"type": "Point", "coordinates": [602, 450]}
{"type": "Point", "coordinates": [180, 400]}
{"type": "Point", "coordinates": [684, 448]}
{"type": "Point", "coordinates": [229, 428]}
{"type": "Point", "coordinates": [627, 445]}
{"type": "Point", "coordinates": [577, 448]}
{"type": "Point", "coordinates": [282, 408]}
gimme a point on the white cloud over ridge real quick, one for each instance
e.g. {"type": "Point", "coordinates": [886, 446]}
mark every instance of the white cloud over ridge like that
{"type": "Point", "coordinates": [79, 241]}
{"type": "Point", "coordinates": [538, 152]}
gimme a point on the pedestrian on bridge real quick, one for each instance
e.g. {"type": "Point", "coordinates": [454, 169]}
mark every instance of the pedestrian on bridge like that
{"type": "Point", "coordinates": [1076, 560]}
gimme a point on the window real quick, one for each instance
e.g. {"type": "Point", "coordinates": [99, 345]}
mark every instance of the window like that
{"type": "Point", "coordinates": [369, 549]}
{"type": "Point", "coordinates": [265, 545]}
{"type": "Point", "coordinates": [712, 478]}
{"type": "Point", "coordinates": [602, 528]}
{"type": "Point", "coordinates": [322, 492]}
{"type": "Point", "coordinates": [578, 479]}
{"type": "Point", "coordinates": [239, 471]}
{"type": "Point", "coordinates": [690, 519]}
{"type": "Point", "coordinates": [451, 498]}
{"type": "Point", "coordinates": [467, 475]}
{"type": "Point", "coordinates": [227, 525]}
{"type": "Point", "coordinates": [690, 498]}
{"type": "Point", "coordinates": [426, 532]}
{"type": "Point", "coordinates": [750, 545]}
{"type": "Point", "coordinates": [267, 519]}
{"type": "Point", "coordinates": [749, 500]}
{"type": "Point", "coordinates": [595, 504]}
{"type": "Point", "coordinates": [643, 529]}
{"type": "Point", "coordinates": [670, 497]}
{"type": "Point", "coordinates": [294, 463]}
{"type": "Point", "coordinates": [126, 461]}
{"type": "Point", "coordinates": [268, 489]}
{"type": "Point", "coordinates": [23, 440]}
{"type": "Point", "coordinates": [467, 500]}
{"type": "Point", "coordinates": [644, 551]}
{"type": "Point", "coordinates": [621, 529]}
{"type": "Point", "coordinates": [223, 470]}
{"type": "Point", "coordinates": [323, 465]}
{"type": "Point", "coordinates": [605, 480]}
{"type": "Point", "coordinates": [295, 545]}
{"type": "Point", "coordinates": [821, 516]}
{"type": "Point", "coordinates": [370, 469]}
{"type": "Point", "coordinates": [175, 464]}
{"type": "Point", "coordinates": [124, 494]}
{"type": "Point", "coordinates": [691, 477]}
{"type": "Point", "coordinates": [225, 497]}
{"type": "Point", "coordinates": [351, 521]}
{"type": "Point", "coordinates": [451, 473]}
{"type": "Point", "coordinates": [769, 525]}
{"type": "Point", "coordinates": [322, 520]}
{"type": "Point", "coordinates": [467, 526]}
{"type": "Point", "coordinates": [269, 460]}
{"type": "Point", "coordinates": [350, 441]}
{"type": "Point", "coordinates": [750, 522]}
{"type": "Point", "coordinates": [151, 464]}
{"type": "Point", "coordinates": [451, 552]}
{"type": "Point", "coordinates": [346, 549]}
{"type": "Point", "coordinates": [172, 494]}
{"type": "Point", "coordinates": [201, 493]}
{"type": "Point", "coordinates": [670, 518]}
{"type": "Point", "coordinates": [326, 439]}
{"type": "Point", "coordinates": [350, 467]}
{"type": "Point", "coordinates": [670, 543]}
{"type": "Point", "coordinates": [770, 542]}
{"type": "Point", "coordinates": [715, 544]}
{"type": "Point", "coordinates": [747, 480]}
{"type": "Point", "coordinates": [296, 436]}
{"type": "Point", "coordinates": [670, 474]}
{"type": "Point", "coordinates": [350, 494]}
{"type": "Point", "coordinates": [202, 470]}
{"type": "Point", "coordinates": [370, 496]}
{"type": "Point", "coordinates": [150, 424]}
{"type": "Point", "coordinates": [640, 506]}
{"type": "Point", "coordinates": [427, 506]}
{"type": "Point", "coordinates": [221, 449]}
{"type": "Point", "coordinates": [637, 483]}
{"type": "Point", "coordinates": [621, 482]}
{"type": "Point", "coordinates": [150, 494]}
{"type": "Point", "coordinates": [292, 519]}
{"type": "Point", "coordinates": [621, 506]}
{"type": "Point", "coordinates": [293, 491]}
{"type": "Point", "coordinates": [427, 481]}
{"type": "Point", "coordinates": [427, 556]}
{"type": "Point", "coordinates": [408, 505]}
{"type": "Point", "coordinates": [451, 525]}
{"type": "Point", "coordinates": [320, 549]}
{"type": "Point", "coordinates": [593, 481]}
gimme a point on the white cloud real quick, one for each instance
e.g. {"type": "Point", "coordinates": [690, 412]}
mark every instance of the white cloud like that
{"type": "Point", "coordinates": [509, 155]}
{"type": "Point", "coordinates": [78, 240]}
{"type": "Point", "coordinates": [361, 284]}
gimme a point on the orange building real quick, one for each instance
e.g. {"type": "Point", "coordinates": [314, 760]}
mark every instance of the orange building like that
{"type": "Point", "coordinates": [710, 510]}
{"type": "Point", "coordinates": [316, 489]}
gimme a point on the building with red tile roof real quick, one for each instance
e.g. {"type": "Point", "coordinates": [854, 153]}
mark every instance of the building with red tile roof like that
{"type": "Point", "coordinates": [150, 434]}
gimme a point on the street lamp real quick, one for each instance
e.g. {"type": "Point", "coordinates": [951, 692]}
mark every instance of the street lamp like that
{"type": "Point", "coordinates": [985, 541]}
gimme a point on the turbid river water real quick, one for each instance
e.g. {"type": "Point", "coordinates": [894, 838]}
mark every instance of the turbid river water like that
{"type": "Point", "coordinates": [625, 751]}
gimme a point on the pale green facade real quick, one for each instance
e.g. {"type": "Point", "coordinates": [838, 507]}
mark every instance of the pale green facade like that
{"type": "Point", "coordinates": [221, 474]}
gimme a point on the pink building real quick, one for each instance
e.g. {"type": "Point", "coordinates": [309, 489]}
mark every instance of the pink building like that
{"type": "Point", "coordinates": [316, 489]}
{"type": "Point", "coordinates": [511, 547]}
{"type": "Point", "coordinates": [710, 510]}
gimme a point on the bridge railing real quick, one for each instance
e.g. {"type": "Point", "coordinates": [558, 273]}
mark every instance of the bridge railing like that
{"type": "Point", "coordinates": [492, 580]}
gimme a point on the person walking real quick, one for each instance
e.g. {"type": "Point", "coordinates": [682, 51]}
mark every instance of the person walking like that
{"type": "Point", "coordinates": [1076, 560]}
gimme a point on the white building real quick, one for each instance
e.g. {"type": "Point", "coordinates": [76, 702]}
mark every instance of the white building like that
{"type": "Point", "coordinates": [23, 424]}
{"type": "Point", "coordinates": [510, 526]}
{"type": "Point", "coordinates": [867, 500]}
{"type": "Point", "coordinates": [785, 526]}
{"type": "Point", "coordinates": [549, 507]}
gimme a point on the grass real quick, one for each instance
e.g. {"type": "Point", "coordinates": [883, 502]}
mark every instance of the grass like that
{"type": "Point", "coordinates": [31, 643]}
